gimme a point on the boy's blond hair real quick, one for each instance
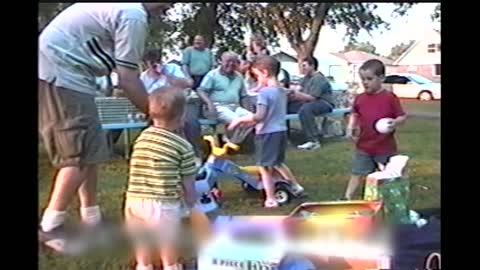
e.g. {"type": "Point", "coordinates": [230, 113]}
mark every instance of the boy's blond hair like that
{"type": "Point", "coordinates": [166, 103]}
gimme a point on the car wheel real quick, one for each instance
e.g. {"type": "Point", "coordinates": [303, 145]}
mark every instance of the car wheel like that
{"type": "Point", "coordinates": [425, 96]}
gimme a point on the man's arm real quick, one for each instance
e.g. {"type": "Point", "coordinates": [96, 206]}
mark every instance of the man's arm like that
{"type": "Point", "coordinates": [204, 97]}
{"type": "Point", "coordinates": [129, 81]}
{"type": "Point", "coordinates": [319, 86]}
{"type": "Point", "coordinates": [297, 93]}
{"type": "Point", "coordinates": [180, 82]}
{"type": "Point", "coordinates": [300, 96]}
{"type": "Point", "coordinates": [178, 78]}
{"type": "Point", "coordinates": [205, 86]}
{"type": "Point", "coordinates": [130, 38]}
{"type": "Point", "coordinates": [186, 62]}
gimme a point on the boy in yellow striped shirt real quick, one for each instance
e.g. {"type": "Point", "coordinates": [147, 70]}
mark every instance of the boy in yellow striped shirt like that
{"type": "Point", "coordinates": [161, 179]}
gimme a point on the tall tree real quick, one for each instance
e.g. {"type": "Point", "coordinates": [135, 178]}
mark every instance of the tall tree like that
{"type": "Point", "coordinates": [399, 49]}
{"type": "Point", "coordinates": [436, 16]}
{"type": "Point", "coordinates": [222, 24]}
{"type": "Point", "coordinates": [47, 11]}
{"type": "Point", "coordinates": [301, 23]}
{"type": "Point", "coordinates": [160, 34]}
{"type": "Point", "coordinates": [361, 46]}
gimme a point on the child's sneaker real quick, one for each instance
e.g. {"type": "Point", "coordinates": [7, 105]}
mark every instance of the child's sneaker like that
{"type": "Point", "coordinates": [309, 146]}
{"type": "Point", "coordinates": [270, 203]}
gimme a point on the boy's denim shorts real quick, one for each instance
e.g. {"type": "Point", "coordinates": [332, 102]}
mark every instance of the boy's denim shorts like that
{"type": "Point", "coordinates": [270, 149]}
{"type": "Point", "coordinates": [365, 164]}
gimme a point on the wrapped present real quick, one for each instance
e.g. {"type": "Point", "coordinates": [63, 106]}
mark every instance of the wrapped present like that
{"type": "Point", "coordinates": [392, 187]}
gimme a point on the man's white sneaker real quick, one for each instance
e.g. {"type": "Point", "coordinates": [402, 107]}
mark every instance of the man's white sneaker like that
{"type": "Point", "coordinates": [309, 146]}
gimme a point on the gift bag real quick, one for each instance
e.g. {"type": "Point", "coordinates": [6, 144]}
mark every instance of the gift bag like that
{"type": "Point", "coordinates": [392, 187]}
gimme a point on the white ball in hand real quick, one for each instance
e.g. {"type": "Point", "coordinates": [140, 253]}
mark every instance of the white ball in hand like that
{"type": "Point", "coordinates": [384, 125]}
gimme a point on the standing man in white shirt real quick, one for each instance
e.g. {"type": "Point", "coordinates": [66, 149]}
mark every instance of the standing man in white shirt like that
{"type": "Point", "coordinates": [85, 41]}
{"type": "Point", "coordinates": [158, 75]}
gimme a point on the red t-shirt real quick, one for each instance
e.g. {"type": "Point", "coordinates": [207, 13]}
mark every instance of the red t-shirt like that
{"type": "Point", "coordinates": [369, 109]}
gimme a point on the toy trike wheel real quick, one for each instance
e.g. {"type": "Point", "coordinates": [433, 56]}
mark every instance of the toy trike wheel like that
{"type": "Point", "coordinates": [248, 188]}
{"type": "Point", "coordinates": [282, 194]}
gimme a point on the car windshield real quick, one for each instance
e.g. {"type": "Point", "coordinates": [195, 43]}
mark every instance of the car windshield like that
{"type": "Point", "coordinates": [419, 79]}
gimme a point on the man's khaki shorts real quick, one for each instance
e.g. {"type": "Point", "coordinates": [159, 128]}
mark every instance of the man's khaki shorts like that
{"type": "Point", "coordinates": [70, 127]}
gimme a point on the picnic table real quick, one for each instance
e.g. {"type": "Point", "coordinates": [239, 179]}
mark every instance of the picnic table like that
{"type": "Point", "coordinates": [127, 127]}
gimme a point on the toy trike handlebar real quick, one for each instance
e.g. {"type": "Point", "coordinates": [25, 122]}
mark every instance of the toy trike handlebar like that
{"type": "Point", "coordinates": [218, 151]}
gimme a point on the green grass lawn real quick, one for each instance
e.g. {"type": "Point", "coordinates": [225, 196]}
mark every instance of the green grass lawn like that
{"type": "Point", "coordinates": [414, 105]}
{"type": "Point", "coordinates": [324, 173]}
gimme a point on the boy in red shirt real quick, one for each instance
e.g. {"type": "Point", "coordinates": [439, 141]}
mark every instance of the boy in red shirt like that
{"type": "Point", "coordinates": [375, 103]}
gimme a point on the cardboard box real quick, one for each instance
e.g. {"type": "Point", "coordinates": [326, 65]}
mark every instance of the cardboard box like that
{"type": "Point", "coordinates": [352, 219]}
{"type": "Point", "coordinates": [231, 247]}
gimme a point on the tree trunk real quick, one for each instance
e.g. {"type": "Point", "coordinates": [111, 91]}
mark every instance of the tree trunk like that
{"type": "Point", "coordinates": [211, 22]}
{"type": "Point", "coordinates": [306, 48]}
{"type": "Point", "coordinates": [303, 51]}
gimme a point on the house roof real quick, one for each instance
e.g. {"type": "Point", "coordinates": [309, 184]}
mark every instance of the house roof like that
{"type": "Point", "coordinates": [285, 54]}
{"type": "Point", "coordinates": [340, 55]}
{"type": "Point", "coordinates": [406, 52]}
{"type": "Point", "coordinates": [359, 57]}
{"type": "Point", "coordinates": [400, 58]}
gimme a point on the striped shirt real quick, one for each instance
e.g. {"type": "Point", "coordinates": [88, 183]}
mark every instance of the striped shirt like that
{"type": "Point", "coordinates": [159, 162]}
{"type": "Point", "coordinates": [88, 40]}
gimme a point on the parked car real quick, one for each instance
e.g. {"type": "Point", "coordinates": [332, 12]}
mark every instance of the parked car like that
{"type": "Point", "coordinates": [337, 85]}
{"type": "Point", "coordinates": [409, 85]}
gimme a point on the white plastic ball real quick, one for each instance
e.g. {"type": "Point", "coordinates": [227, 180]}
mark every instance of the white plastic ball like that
{"type": "Point", "coordinates": [384, 125]}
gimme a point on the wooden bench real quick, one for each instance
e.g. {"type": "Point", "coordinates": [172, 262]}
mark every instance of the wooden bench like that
{"type": "Point", "coordinates": [340, 112]}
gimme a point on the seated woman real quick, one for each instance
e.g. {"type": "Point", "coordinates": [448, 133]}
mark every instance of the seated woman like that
{"type": "Point", "coordinates": [257, 47]}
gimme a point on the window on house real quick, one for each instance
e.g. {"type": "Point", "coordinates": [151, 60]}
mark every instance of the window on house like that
{"type": "Point", "coordinates": [395, 79]}
{"type": "Point", "coordinates": [437, 70]}
{"type": "Point", "coordinates": [432, 48]}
